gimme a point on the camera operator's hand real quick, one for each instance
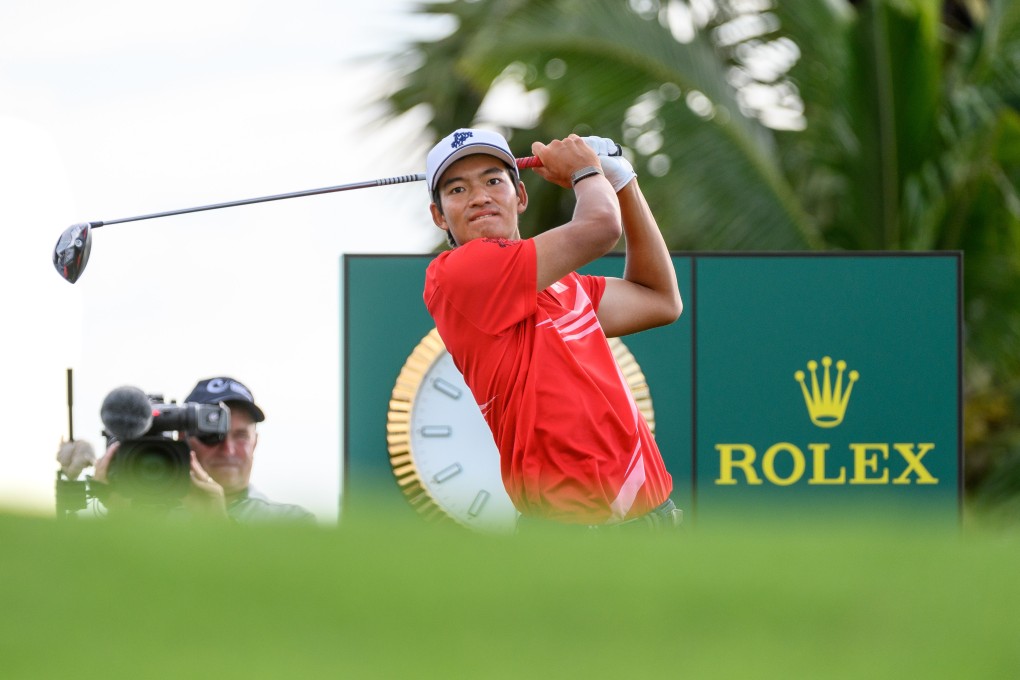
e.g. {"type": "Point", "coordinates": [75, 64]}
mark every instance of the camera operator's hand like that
{"type": "Point", "coordinates": [110, 498]}
{"type": "Point", "coordinates": [206, 496]}
{"type": "Point", "coordinates": [103, 464]}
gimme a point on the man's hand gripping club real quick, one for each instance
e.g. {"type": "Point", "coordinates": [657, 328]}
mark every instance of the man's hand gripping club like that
{"type": "Point", "coordinates": [618, 169]}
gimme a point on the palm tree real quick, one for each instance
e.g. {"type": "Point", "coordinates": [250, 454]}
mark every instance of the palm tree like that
{"type": "Point", "coordinates": [886, 125]}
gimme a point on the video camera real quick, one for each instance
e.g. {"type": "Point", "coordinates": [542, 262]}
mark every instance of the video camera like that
{"type": "Point", "coordinates": [152, 465]}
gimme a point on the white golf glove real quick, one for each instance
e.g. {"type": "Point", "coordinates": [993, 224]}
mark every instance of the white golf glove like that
{"type": "Point", "coordinates": [75, 457]}
{"type": "Point", "coordinates": [617, 169]}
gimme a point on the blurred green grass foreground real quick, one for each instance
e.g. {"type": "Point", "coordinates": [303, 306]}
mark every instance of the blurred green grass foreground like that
{"type": "Point", "coordinates": [396, 597]}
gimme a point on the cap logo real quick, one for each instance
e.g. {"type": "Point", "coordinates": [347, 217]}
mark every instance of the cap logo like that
{"type": "Point", "coordinates": [218, 385]}
{"type": "Point", "coordinates": [459, 138]}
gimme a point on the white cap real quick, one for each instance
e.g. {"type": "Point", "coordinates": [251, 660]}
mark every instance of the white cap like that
{"type": "Point", "coordinates": [465, 142]}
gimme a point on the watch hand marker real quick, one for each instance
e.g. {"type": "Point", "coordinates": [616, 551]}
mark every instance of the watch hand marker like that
{"type": "Point", "coordinates": [447, 473]}
{"type": "Point", "coordinates": [447, 388]}
{"type": "Point", "coordinates": [478, 503]}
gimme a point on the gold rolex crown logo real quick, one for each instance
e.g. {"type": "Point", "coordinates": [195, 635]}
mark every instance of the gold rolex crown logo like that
{"type": "Point", "coordinates": [826, 404]}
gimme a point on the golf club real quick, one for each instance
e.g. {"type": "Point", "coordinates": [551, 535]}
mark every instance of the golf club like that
{"type": "Point", "coordinates": [71, 253]}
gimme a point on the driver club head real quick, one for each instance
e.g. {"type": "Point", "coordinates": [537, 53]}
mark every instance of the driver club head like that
{"type": "Point", "coordinates": [71, 253]}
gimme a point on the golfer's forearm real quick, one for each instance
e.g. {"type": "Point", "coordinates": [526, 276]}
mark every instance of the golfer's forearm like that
{"type": "Point", "coordinates": [648, 262]}
{"type": "Point", "coordinates": [592, 232]}
{"type": "Point", "coordinates": [596, 212]}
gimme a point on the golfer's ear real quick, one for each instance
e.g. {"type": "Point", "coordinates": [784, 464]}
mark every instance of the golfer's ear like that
{"type": "Point", "coordinates": [522, 198]}
{"type": "Point", "coordinates": [437, 216]}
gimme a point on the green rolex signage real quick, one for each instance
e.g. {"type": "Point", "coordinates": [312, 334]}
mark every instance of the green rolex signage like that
{"type": "Point", "coordinates": [830, 379]}
{"type": "Point", "coordinates": [814, 381]}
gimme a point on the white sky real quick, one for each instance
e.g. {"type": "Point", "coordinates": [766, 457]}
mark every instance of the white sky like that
{"type": "Point", "coordinates": [111, 109]}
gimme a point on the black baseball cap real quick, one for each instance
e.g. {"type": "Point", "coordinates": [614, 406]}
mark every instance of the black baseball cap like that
{"type": "Point", "coordinates": [228, 390]}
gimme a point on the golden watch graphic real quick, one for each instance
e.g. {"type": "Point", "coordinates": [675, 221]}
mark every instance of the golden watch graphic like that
{"type": "Point", "coordinates": [826, 403]}
{"type": "Point", "coordinates": [441, 449]}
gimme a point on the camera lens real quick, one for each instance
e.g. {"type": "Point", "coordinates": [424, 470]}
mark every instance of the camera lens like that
{"type": "Point", "coordinates": [151, 469]}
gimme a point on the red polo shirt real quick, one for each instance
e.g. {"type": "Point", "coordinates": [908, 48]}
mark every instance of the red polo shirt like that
{"type": "Point", "coordinates": [573, 445]}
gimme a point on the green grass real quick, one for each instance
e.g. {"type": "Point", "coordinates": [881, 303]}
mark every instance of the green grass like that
{"type": "Point", "coordinates": [400, 598]}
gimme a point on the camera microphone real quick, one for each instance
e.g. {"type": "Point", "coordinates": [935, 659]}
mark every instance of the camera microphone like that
{"type": "Point", "coordinates": [126, 413]}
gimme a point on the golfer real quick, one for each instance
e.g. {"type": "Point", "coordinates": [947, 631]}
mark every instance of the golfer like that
{"type": "Point", "coordinates": [529, 334]}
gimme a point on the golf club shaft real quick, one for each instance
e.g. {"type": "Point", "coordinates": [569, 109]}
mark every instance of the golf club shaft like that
{"type": "Point", "coordinates": [522, 163]}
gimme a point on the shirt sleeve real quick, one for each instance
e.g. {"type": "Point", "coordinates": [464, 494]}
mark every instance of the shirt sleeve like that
{"type": "Point", "coordinates": [594, 286]}
{"type": "Point", "coordinates": [490, 282]}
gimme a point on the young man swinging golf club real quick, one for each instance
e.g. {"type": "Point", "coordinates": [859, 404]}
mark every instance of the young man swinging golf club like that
{"type": "Point", "coordinates": [529, 334]}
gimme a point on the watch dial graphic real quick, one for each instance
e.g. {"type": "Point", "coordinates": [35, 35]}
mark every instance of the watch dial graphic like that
{"type": "Point", "coordinates": [441, 450]}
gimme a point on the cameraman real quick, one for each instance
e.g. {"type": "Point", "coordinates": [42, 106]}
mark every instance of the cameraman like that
{"type": "Point", "coordinates": [220, 472]}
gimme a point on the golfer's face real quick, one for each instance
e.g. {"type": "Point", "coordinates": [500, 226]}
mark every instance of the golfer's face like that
{"type": "Point", "coordinates": [479, 199]}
